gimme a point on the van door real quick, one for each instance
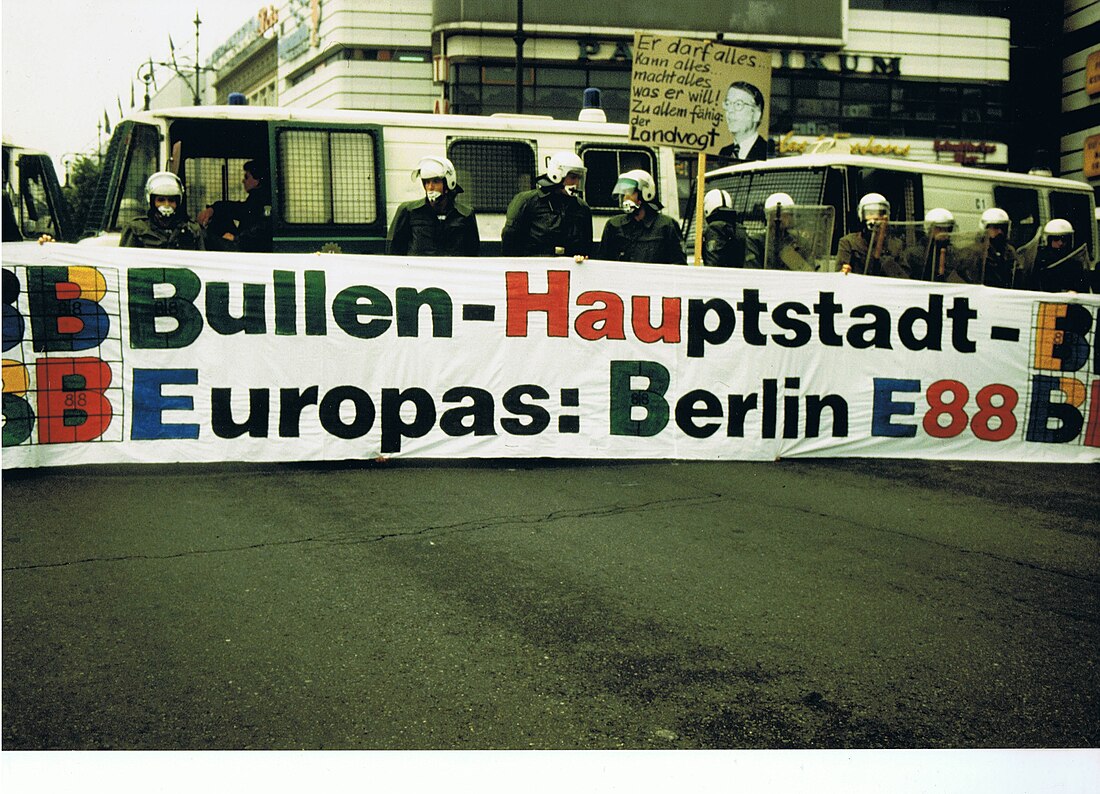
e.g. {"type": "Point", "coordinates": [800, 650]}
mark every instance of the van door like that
{"type": "Point", "coordinates": [42, 209]}
{"type": "Point", "coordinates": [328, 188]}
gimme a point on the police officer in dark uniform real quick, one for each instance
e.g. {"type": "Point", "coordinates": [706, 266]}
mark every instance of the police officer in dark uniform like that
{"type": "Point", "coordinates": [991, 260]}
{"type": "Point", "coordinates": [724, 241]}
{"type": "Point", "coordinates": [166, 224]}
{"type": "Point", "coordinates": [641, 233]}
{"type": "Point", "coordinates": [1058, 267]}
{"type": "Point", "coordinates": [552, 218]}
{"type": "Point", "coordinates": [440, 223]}
{"type": "Point", "coordinates": [872, 250]}
{"type": "Point", "coordinates": [932, 256]}
{"type": "Point", "coordinates": [242, 225]}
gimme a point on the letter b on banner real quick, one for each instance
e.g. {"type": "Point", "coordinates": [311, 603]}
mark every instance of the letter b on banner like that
{"type": "Point", "coordinates": [64, 308]}
{"type": "Point", "coordinates": [638, 411]}
{"type": "Point", "coordinates": [71, 402]}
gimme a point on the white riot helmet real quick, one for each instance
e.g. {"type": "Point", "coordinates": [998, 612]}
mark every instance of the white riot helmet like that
{"type": "Point", "coordinates": [163, 183]}
{"type": "Point", "coordinates": [994, 216]}
{"type": "Point", "coordinates": [716, 199]}
{"type": "Point", "coordinates": [1059, 228]}
{"type": "Point", "coordinates": [436, 168]}
{"type": "Point", "coordinates": [873, 202]}
{"type": "Point", "coordinates": [939, 218]}
{"type": "Point", "coordinates": [778, 200]}
{"type": "Point", "coordinates": [636, 180]}
{"type": "Point", "coordinates": [559, 165]}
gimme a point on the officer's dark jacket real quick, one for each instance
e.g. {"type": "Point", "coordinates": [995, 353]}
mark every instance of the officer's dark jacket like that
{"type": "Point", "coordinates": [987, 262]}
{"type": "Point", "coordinates": [540, 220]}
{"type": "Point", "coordinates": [655, 238]}
{"type": "Point", "coordinates": [180, 233]}
{"type": "Point", "coordinates": [417, 230]}
{"type": "Point", "coordinates": [1059, 270]}
{"type": "Point", "coordinates": [723, 240]}
{"type": "Point", "coordinates": [249, 221]}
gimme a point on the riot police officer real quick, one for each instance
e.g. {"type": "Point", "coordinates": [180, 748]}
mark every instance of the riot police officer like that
{"type": "Point", "coordinates": [439, 223]}
{"type": "Point", "coordinates": [991, 259]}
{"type": "Point", "coordinates": [641, 233]}
{"type": "Point", "coordinates": [871, 250]}
{"type": "Point", "coordinates": [553, 218]}
{"type": "Point", "coordinates": [1058, 267]}
{"type": "Point", "coordinates": [166, 224]}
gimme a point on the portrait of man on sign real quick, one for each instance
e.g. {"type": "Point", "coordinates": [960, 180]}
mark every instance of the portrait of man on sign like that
{"type": "Point", "coordinates": [743, 109]}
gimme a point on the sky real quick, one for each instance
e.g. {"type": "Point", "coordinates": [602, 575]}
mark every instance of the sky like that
{"type": "Point", "coordinates": [65, 62]}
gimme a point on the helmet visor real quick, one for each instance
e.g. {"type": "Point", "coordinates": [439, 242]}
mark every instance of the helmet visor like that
{"type": "Point", "coordinates": [624, 186]}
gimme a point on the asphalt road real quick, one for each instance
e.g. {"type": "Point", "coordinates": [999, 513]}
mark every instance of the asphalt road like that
{"type": "Point", "coordinates": [857, 604]}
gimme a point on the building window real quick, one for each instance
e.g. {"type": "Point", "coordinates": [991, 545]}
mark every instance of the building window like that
{"type": "Point", "coordinates": [492, 171]}
{"type": "Point", "coordinates": [807, 103]}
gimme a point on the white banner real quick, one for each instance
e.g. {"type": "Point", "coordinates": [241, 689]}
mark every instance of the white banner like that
{"type": "Point", "coordinates": [119, 355]}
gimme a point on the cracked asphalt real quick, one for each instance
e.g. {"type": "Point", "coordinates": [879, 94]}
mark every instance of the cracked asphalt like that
{"type": "Point", "coordinates": [540, 604]}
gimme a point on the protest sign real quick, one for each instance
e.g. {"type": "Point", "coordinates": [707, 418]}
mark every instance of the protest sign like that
{"type": "Point", "coordinates": [701, 95]}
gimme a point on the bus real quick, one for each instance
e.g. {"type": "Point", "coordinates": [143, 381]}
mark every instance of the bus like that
{"type": "Point", "coordinates": [912, 188]}
{"type": "Point", "coordinates": [33, 202]}
{"type": "Point", "coordinates": [338, 176]}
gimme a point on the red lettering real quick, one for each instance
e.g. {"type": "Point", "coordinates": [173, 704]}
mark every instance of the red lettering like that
{"type": "Point", "coordinates": [1092, 432]}
{"type": "Point", "coordinates": [71, 402]}
{"type": "Point", "coordinates": [605, 323]}
{"type": "Point", "coordinates": [667, 331]}
{"type": "Point", "coordinates": [555, 302]}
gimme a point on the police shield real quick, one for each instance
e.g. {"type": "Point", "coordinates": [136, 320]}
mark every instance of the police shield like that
{"type": "Point", "coordinates": [928, 253]}
{"type": "Point", "coordinates": [798, 238]}
{"type": "Point", "coordinates": [989, 261]}
{"type": "Point", "coordinates": [1052, 271]}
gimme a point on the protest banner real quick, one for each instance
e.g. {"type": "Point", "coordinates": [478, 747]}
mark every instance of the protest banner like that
{"type": "Point", "coordinates": [128, 355]}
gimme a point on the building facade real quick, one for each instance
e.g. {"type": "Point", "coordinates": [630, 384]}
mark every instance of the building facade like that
{"type": "Point", "coordinates": [930, 80]}
{"type": "Point", "coordinates": [1080, 95]}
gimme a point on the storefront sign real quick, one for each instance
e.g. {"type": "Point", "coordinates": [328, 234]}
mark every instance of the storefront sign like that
{"type": "Point", "coordinates": [245, 35]}
{"type": "Point", "coordinates": [1092, 74]}
{"type": "Point", "coordinates": [147, 356]}
{"type": "Point", "coordinates": [965, 152]}
{"type": "Point", "coordinates": [1092, 157]}
{"type": "Point", "coordinates": [267, 18]}
{"type": "Point", "coordinates": [843, 62]}
{"type": "Point", "coordinates": [789, 143]}
{"type": "Point", "coordinates": [302, 30]}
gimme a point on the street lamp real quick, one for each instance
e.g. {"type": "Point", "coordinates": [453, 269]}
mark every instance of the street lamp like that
{"type": "Point", "coordinates": [519, 39]}
{"type": "Point", "coordinates": [182, 70]}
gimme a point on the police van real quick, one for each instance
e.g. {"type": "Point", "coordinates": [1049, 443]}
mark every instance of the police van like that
{"type": "Point", "coordinates": [33, 202]}
{"type": "Point", "coordinates": [912, 188]}
{"type": "Point", "coordinates": [338, 176]}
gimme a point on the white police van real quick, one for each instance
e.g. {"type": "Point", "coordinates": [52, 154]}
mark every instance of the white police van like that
{"type": "Point", "coordinates": [912, 188]}
{"type": "Point", "coordinates": [33, 202]}
{"type": "Point", "coordinates": [337, 176]}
